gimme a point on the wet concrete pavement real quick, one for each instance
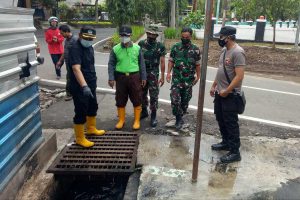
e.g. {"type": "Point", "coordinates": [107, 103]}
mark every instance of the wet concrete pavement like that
{"type": "Point", "coordinates": [266, 164]}
{"type": "Point", "coordinates": [269, 168]}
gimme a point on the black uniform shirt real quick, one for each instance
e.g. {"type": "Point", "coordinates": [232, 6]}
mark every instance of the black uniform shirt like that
{"type": "Point", "coordinates": [79, 55]}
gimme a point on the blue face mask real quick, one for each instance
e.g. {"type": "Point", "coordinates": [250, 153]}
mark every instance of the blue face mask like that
{"type": "Point", "coordinates": [86, 43]}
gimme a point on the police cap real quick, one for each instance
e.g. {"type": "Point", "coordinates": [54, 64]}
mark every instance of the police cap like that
{"type": "Point", "coordinates": [88, 32]}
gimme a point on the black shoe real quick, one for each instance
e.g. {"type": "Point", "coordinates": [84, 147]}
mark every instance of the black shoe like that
{"type": "Point", "coordinates": [231, 157]}
{"type": "Point", "coordinates": [179, 122]}
{"type": "Point", "coordinates": [153, 121]}
{"type": "Point", "coordinates": [220, 146]}
{"type": "Point", "coordinates": [144, 113]}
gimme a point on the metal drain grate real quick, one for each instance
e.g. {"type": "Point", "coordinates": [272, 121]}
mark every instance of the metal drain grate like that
{"type": "Point", "coordinates": [114, 152]}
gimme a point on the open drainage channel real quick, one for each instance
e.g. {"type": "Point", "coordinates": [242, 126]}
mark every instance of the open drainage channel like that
{"type": "Point", "coordinates": [99, 172]}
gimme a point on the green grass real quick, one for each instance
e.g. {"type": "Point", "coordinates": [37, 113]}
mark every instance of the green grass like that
{"type": "Point", "coordinates": [172, 33]}
{"type": "Point", "coordinates": [90, 23]}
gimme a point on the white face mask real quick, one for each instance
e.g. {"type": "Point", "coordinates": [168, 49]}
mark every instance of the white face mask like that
{"type": "Point", "coordinates": [125, 39]}
{"type": "Point", "coordinates": [86, 43]}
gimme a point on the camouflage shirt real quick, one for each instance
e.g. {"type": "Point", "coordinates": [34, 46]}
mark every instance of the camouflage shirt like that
{"type": "Point", "coordinates": [185, 59]}
{"type": "Point", "coordinates": [152, 53]}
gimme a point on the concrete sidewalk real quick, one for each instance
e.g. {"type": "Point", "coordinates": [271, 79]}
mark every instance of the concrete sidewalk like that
{"type": "Point", "coordinates": [269, 168]}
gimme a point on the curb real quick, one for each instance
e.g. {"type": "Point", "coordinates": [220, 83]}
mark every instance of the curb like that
{"type": "Point", "coordinates": [61, 84]}
{"type": "Point", "coordinates": [101, 42]}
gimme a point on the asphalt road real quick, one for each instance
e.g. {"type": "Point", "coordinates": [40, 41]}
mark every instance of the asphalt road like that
{"type": "Point", "coordinates": [268, 100]}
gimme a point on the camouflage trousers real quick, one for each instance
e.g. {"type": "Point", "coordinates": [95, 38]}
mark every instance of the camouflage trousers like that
{"type": "Point", "coordinates": [153, 87]}
{"type": "Point", "coordinates": [181, 94]}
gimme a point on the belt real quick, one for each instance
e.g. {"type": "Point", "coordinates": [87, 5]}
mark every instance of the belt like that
{"type": "Point", "coordinates": [127, 73]}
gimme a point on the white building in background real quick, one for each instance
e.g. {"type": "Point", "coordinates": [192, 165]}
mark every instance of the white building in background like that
{"type": "Point", "coordinates": [72, 2]}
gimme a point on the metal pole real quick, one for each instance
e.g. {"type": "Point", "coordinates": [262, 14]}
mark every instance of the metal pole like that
{"type": "Point", "coordinates": [218, 10]}
{"type": "Point", "coordinates": [208, 15]}
{"type": "Point", "coordinates": [173, 13]}
{"type": "Point", "coordinates": [297, 34]}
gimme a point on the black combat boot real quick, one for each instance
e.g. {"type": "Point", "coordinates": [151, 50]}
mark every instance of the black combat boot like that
{"type": "Point", "coordinates": [232, 156]}
{"type": "Point", "coordinates": [144, 113]}
{"type": "Point", "coordinates": [220, 146]}
{"type": "Point", "coordinates": [153, 121]}
{"type": "Point", "coordinates": [179, 122]}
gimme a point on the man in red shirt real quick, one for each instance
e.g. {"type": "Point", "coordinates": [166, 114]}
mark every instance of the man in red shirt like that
{"type": "Point", "coordinates": [55, 47]}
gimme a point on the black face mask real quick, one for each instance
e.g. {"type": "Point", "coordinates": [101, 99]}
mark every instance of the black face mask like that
{"type": "Point", "coordinates": [151, 40]}
{"type": "Point", "coordinates": [222, 43]}
{"type": "Point", "coordinates": [185, 41]}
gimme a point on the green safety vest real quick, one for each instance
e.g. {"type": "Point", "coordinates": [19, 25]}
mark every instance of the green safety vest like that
{"type": "Point", "coordinates": [127, 58]}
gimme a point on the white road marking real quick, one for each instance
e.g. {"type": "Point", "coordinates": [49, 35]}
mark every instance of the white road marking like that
{"type": "Point", "coordinates": [208, 110]}
{"type": "Point", "coordinates": [265, 121]}
{"type": "Point", "coordinates": [244, 86]}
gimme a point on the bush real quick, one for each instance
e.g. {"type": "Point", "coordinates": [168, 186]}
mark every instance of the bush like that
{"type": "Point", "coordinates": [137, 32]}
{"type": "Point", "coordinates": [194, 19]}
{"type": "Point", "coordinates": [172, 33]}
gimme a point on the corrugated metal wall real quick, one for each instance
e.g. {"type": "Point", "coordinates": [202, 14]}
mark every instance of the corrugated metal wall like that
{"type": "Point", "coordinates": [20, 120]}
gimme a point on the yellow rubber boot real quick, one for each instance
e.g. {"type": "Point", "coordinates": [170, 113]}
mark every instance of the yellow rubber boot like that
{"type": "Point", "coordinates": [137, 116]}
{"type": "Point", "coordinates": [121, 114]}
{"type": "Point", "coordinates": [91, 126]}
{"type": "Point", "coordinates": [79, 136]}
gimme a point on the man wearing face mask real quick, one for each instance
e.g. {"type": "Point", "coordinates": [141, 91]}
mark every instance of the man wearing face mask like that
{"type": "Point", "coordinates": [185, 62]}
{"type": "Point", "coordinates": [228, 81]}
{"type": "Point", "coordinates": [126, 69]}
{"type": "Point", "coordinates": [83, 86]}
{"type": "Point", "coordinates": [154, 54]}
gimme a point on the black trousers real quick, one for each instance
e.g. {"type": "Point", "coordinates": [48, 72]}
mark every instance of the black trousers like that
{"type": "Point", "coordinates": [84, 106]}
{"type": "Point", "coordinates": [128, 86]}
{"type": "Point", "coordinates": [226, 113]}
{"type": "Point", "coordinates": [55, 58]}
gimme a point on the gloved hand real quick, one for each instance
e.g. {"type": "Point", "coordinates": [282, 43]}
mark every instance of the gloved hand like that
{"type": "Point", "coordinates": [87, 91]}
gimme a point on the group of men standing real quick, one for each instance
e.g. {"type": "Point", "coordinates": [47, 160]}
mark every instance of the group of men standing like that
{"type": "Point", "coordinates": [136, 69]}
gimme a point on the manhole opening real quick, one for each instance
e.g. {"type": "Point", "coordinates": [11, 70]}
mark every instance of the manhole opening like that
{"type": "Point", "coordinates": [87, 188]}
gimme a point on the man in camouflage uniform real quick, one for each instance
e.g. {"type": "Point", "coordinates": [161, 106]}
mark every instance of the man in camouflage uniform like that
{"type": "Point", "coordinates": [185, 62]}
{"type": "Point", "coordinates": [154, 54]}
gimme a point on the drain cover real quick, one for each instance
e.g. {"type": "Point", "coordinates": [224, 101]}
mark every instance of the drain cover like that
{"type": "Point", "coordinates": [114, 152]}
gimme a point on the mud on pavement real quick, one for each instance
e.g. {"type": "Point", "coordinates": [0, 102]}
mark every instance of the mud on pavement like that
{"type": "Point", "coordinates": [270, 155]}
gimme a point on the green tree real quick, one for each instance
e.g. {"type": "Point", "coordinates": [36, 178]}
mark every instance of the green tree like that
{"type": "Point", "coordinates": [245, 9]}
{"type": "Point", "coordinates": [121, 11]}
{"type": "Point", "coordinates": [276, 10]}
{"type": "Point", "coordinates": [194, 19]}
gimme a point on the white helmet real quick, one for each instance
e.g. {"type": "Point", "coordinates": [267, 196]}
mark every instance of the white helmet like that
{"type": "Point", "coordinates": [53, 18]}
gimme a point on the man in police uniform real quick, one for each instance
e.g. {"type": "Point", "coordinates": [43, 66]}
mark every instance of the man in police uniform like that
{"type": "Point", "coordinates": [233, 59]}
{"type": "Point", "coordinates": [154, 54]}
{"type": "Point", "coordinates": [185, 62]}
{"type": "Point", "coordinates": [83, 86]}
{"type": "Point", "coordinates": [126, 69]}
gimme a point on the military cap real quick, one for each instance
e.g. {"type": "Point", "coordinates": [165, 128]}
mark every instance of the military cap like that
{"type": "Point", "coordinates": [152, 30]}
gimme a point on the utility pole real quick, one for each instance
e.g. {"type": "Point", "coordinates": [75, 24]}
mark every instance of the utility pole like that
{"type": "Point", "coordinates": [297, 34]}
{"type": "Point", "coordinates": [195, 5]}
{"type": "Point", "coordinates": [218, 12]}
{"type": "Point", "coordinates": [208, 14]}
{"type": "Point", "coordinates": [96, 11]}
{"type": "Point", "coordinates": [173, 13]}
